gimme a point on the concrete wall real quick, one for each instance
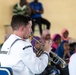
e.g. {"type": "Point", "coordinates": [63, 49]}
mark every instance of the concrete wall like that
{"type": "Point", "coordinates": [61, 14]}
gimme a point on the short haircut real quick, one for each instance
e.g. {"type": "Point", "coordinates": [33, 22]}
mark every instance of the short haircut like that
{"type": "Point", "coordinates": [19, 20]}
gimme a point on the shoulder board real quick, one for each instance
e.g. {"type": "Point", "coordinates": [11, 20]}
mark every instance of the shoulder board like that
{"type": "Point", "coordinates": [27, 47]}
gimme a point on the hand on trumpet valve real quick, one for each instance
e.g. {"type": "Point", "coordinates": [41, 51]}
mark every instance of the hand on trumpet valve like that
{"type": "Point", "coordinates": [47, 46]}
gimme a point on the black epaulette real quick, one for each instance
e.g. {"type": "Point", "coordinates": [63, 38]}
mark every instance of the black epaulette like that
{"type": "Point", "coordinates": [27, 47]}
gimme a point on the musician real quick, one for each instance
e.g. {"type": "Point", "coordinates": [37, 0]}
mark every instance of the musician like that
{"type": "Point", "coordinates": [20, 56]}
{"type": "Point", "coordinates": [72, 65]}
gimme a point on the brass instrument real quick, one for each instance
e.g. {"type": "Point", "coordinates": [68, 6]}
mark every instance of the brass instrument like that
{"type": "Point", "coordinates": [55, 59]}
{"type": "Point", "coordinates": [40, 50]}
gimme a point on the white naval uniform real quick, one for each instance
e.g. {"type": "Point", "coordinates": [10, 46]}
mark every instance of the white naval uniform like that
{"type": "Point", "coordinates": [21, 58]}
{"type": "Point", "coordinates": [72, 65]}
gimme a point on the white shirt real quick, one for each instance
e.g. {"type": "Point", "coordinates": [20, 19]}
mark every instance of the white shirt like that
{"type": "Point", "coordinates": [21, 58]}
{"type": "Point", "coordinates": [72, 65]}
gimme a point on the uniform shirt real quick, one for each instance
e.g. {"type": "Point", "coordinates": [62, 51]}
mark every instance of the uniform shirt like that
{"type": "Point", "coordinates": [21, 58]}
{"type": "Point", "coordinates": [72, 65]}
{"type": "Point", "coordinates": [36, 6]}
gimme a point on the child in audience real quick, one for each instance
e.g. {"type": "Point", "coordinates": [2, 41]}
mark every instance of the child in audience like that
{"type": "Point", "coordinates": [56, 41]}
{"type": "Point", "coordinates": [45, 36]}
{"type": "Point", "coordinates": [63, 50]}
{"type": "Point", "coordinates": [65, 36]}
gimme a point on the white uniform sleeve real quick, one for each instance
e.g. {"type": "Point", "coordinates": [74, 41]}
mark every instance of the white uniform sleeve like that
{"type": "Point", "coordinates": [35, 64]}
{"type": "Point", "coordinates": [72, 65]}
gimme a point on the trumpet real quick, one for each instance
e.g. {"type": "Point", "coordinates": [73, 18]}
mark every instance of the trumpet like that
{"type": "Point", "coordinates": [39, 50]}
{"type": "Point", "coordinates": [55, 59]}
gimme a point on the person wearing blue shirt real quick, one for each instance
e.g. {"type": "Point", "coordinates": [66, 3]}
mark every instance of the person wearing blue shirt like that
{"type": "Point", "coordinates": [63, 50]}
{"type": "Point", "coordinates": [36, 15]}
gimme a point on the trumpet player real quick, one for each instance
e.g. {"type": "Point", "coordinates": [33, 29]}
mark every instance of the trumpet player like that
{"type": "Point", "coordinates": [19, 51]}
{"type": "Point", "coordinates": [72, 65]}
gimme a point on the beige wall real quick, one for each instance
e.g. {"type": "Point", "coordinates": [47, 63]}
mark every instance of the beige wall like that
{"type": "Point", "coordinates": [61, 14]}
{"type": "Point", "coordinates": [5, 15]}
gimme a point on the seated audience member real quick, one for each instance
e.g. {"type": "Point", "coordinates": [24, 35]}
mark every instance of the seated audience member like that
{"type": "Point", "coordinates": [45, 36]}
{"type": "Point", "coordinates": [73, 47]}
{"type": "Point", "coordinates": [65, 36]}
{"type": "Point", "coordinates": [56, 41]}
{"type": "Point", "coordinates": [22, 8]}
{"type": "Point", "coordinates": [36, 12]}
{"type": "Point", "coordinates": [63, 50]}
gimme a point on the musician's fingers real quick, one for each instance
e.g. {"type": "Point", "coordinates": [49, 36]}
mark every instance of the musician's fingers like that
{"type": "Point", "coordinates": [47, 46]}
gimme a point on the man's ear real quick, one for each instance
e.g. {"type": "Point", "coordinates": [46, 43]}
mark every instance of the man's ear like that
{"type": "Point", "coordinates": [21, 28]}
